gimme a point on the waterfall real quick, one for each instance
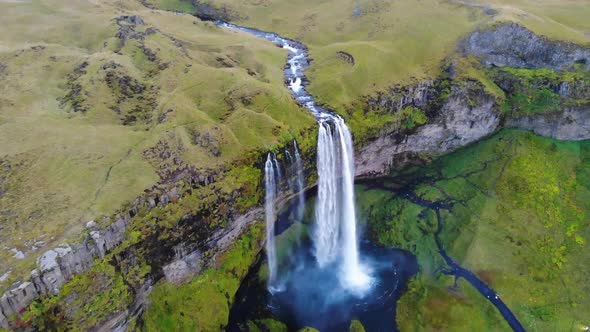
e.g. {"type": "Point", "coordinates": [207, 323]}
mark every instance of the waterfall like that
{"type": "Point", "coordinates": [299, 181]}
{"type": "Point", "coordinates": [270, 180]}
{"type": "Point", "coordinates": [291, 171]}
{"type": "Point", "coordinates": [335, 233]}
{"type": "Point", "coordinates": [353, 274]}
{"type": "Point", "coordinates": [326, 213]}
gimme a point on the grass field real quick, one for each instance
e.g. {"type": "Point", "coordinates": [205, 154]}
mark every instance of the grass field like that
{"type": "Point", "coordinates": [394, 42]}
{"type": "Point", "coordinates": [80, 110]}
{"type": "Point", "coordinates": [519, 221]}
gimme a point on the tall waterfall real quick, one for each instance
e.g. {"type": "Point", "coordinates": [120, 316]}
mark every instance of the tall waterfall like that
{"type": "Point", "coordinates": [299, 181]}
{"type": "Point", "coordinates": [271, 172]}
{"type": "Point", "coordinates": [335, 234]}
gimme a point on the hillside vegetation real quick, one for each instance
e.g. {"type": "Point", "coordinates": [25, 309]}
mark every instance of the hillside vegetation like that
{"type": "Point", "coordinates": [101, 100]}
{"type": "Point", "coordinates": [517, 218]}
{"type": "Point", "coordinates": [393, 42]}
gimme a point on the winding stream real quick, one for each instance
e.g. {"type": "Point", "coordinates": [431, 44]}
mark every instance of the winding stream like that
{"type": "Point", "coordinates": [329, 121]}
{"type": "Point", "coordinates": [456, 270]}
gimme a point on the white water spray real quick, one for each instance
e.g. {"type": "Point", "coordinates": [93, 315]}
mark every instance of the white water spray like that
{"type": "Point", "coordinates": [270, 181]}
{"type": "Point", "coordinates": [300, 181]}
{"type": "Point", "coordinates": [335, 233]}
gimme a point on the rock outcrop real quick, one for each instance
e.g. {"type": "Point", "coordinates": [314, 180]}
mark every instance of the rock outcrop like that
{"type": "Point", "coordinates": [512, 45]}
{"type": "Point", "coordinates": [58, 266]}
{"type": "Point", "coordinates": [468, 115]}
{"type": "Point", "coordinates": [571, 124]}
{"type": "Point", "coordinates": [470, 112]}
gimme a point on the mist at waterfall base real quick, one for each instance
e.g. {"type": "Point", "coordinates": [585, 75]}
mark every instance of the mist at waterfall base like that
{"type": "Point", "coordinates": [311, 277]}
{"type": "Point", "coordinates": [321, 277]}
{"type": "Point", "coordinates": [313, 296]}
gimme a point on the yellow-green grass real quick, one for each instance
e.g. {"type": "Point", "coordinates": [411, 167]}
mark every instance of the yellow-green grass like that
{"type": "Point", "coordinates": [68, 167]}
{"type": "Point", "coordinates": [392, 42]}
{"type": "Point", "coordinates": [519, 221]}
{"type": "Point", "coordinates": [561, 20]}
{"type": "Point", "coordinates": [186, 6]}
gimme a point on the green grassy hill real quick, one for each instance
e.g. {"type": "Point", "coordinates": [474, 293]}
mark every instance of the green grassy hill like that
{"type": "Point", "coordinates": [97, 106]}
{"type": "Point", "coordinates": [394, 42]}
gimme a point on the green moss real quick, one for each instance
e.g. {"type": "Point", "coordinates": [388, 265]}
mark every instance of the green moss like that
{"type": "Point", "coordinates": [369, 124]}
{"type": "Point", "coordinates": [429, 305]}
{"type": "Point", "coordinates": [356, 326]}
{"type": "Point", "coordinates": [535, 91]}
{"type": "Point", "coordinates": [249, 177]}
{"type": "Point", "coordinates": [366, 124]}
{"type": "Point", "coordinates": [518, 221]}
{"type": "Point", "coordinates": [84, 302]}
{"type": "Point", "coordinates": [263, 325]}
{"type": "Point", "coordinates": [204, 303]}
{"type": "Point", "coordinates": [410, 117]}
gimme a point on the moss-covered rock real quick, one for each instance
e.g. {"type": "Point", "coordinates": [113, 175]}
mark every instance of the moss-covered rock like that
{"type": "Point", "coordinates": [308, 329]}
{"type": "Point", "coordinates": [203, 304]}
{"type": "Point", "coordinates": [87, 300]}
{"type": "Point", "coordinates": [541, 91]}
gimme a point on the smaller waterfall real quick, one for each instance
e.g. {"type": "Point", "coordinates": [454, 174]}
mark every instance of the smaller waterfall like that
{"type": "Point", "coordinates": [299, 181]}
{"type": "Point", "coordinates": [290, 171]}
{"type": "Point", "coordinates": [271, 181]}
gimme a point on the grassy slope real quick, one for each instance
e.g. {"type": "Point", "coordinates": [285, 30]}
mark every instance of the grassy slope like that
{"type": "Point", "coordinates": [521, 224]}
{"type": "Point", "coordinates": [563, 20]}
{"type": "Point", "coordinates": [60, 168]}
{"type": "Point", "coordinates": [393, 42]}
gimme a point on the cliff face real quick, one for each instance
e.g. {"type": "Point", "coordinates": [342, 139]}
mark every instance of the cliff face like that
{"type": "Point", "coordinates": [468, 115]}
{"type": "Point", "coordinates": [556, 102]}
{"type": "Point", "coordinates": [572, 124]}
{"type": "Point", "coordinates": [511, 45]}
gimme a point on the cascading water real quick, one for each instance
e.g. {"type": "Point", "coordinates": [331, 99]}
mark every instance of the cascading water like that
{"type": "Point", "coordinates": [300, 181]}
{"type": "Point", "coordinates": [334, 237]}
{"type": "Point", "coordinates": [270, 181]}
{"type": "Point", "coordinates": [335, 233]}
{"type": "Point", "coordinates": [290, 171]}
{"type": "Point", "coordinates": [295, 178]}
